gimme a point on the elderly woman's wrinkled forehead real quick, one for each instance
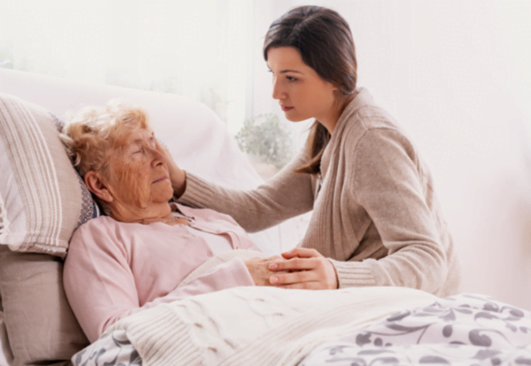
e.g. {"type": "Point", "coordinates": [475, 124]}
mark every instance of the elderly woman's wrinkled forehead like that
{"type": "Point", "coordinates": [126, 135]}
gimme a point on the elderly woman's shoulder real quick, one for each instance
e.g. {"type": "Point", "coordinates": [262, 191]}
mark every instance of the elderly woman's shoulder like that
{"type": "Point", "coordinates": [100, 220]}
{"type": "Point", "coordinates": [97, 225]}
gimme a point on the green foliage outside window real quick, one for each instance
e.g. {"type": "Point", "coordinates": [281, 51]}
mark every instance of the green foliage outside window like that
{"type": "Point", "coordinates": [265, 137]}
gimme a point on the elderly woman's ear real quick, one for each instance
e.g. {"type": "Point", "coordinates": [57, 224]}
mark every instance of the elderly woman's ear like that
{"type": "Point", "coordinates": [96, 184]}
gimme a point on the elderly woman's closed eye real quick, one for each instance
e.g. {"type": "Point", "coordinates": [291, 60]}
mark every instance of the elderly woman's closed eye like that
{"type": "Point", "coordinates": [143, 250]}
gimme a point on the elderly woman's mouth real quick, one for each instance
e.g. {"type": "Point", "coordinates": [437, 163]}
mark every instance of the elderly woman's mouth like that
{"type": "Point", "coordinates": [162, 179]}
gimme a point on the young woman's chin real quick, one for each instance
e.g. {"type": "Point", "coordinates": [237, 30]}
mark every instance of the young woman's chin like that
{"type": "Point", "coordinates": [292, 117]}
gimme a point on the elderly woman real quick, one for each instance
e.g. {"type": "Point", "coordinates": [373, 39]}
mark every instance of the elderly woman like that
{"type": "Point", "coordinates": [137, 255]}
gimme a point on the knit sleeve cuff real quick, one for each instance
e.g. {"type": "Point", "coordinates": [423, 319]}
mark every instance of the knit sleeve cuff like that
{"type": "Point", "coordinates": [198, 192]}
{"type": "Point", "coordinates": [353, 274]}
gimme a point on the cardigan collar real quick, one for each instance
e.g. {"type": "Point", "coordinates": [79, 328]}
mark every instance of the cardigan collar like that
{"type": "Point", "coordinates": [362, 99]}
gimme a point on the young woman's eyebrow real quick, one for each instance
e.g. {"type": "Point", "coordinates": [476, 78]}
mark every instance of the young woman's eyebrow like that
{"type": "Point", "coordinates": [285, 71]}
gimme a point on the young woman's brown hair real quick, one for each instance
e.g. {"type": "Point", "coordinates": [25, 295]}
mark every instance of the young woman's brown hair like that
{"type": "Point", "coordinates": [312, 29]}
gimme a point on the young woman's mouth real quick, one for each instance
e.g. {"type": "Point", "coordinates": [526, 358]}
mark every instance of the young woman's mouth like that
{"type": "Point", "coordinates": [286, 108]}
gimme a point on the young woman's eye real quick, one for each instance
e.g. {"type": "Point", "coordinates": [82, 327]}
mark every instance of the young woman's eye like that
{"type": "Point", "coordinates": [291, 78]}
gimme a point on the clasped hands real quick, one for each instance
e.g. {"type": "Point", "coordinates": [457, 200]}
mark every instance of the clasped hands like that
{"type": "Point", "coordinates": [299, 268]}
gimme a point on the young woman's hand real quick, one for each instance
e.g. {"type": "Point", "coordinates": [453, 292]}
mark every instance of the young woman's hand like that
{"type": "Point", "coordinates": [307, 269]}
{"type": "Point", "coordinates": [177, 175]}
{"type": "Point", "coordinates": [259, 269]}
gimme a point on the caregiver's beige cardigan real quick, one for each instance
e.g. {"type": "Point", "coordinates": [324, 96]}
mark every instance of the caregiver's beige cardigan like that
{"type": "Point", "coordinates": [375, 214]}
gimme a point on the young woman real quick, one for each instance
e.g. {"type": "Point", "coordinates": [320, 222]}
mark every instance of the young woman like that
{"type": "Point", "coordinates": [376, 220]}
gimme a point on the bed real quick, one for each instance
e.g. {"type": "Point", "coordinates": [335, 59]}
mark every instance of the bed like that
{"type": "Point", "coordinates": [43, 201]}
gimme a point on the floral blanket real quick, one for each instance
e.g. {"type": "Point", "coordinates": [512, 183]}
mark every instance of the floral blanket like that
{"type": "Point", "coordinates": [459, 330]}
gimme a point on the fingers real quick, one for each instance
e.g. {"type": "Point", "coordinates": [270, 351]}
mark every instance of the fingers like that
{"type": "Point", "coordinates": [265, 260]}
{"type": "Point", "coordinates": [301, 253]}
{"type": "Point", "coordinates": [304, 286]}
{"type": "Point", "coordinates": [177, 175]}
{"type": "Point", "coordinates": [297, 264]}
{"type": "Point", "coordinates": [160, 147]}
{"type": "Point", "coordinates": [259, 270]}
{"type": "Point", "coordinates": [318, 273]}
{"type": "Point", "coordinates": [270, 259]}
{"type": "Point", "coordinates": [293, 278]}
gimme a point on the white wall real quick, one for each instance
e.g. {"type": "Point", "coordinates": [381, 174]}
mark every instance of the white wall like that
{"type": "Point", "coordinates": [457, 76]}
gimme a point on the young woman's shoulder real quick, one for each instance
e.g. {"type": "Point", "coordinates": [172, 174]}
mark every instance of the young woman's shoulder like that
{"type": "Point", "coordinates": [364, 114]}
{"type": "Point", "coordinates": [371, 129]}
{"type": "Point", "coordinates": [372, 123]}
{"type": "Point", "coordinates": [373, 116]}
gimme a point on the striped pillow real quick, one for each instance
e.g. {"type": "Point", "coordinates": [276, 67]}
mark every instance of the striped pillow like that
{"type": "Point", "coordinates": [42, 197]}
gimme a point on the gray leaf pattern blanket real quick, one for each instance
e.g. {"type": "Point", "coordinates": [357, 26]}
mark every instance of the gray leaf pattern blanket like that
{"type": "Point", "coordinates": [467, 329]}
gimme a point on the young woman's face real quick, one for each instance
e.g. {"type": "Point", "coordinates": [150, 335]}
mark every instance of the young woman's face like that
{"type": "Point", "coordinates": [301, 92]}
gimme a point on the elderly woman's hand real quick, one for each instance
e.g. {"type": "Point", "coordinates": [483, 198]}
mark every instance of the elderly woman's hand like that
{"type": "Point", "coordinates": [177, 175]}
{"type": "Point", "coordinates": [307, 269]}
{"type": "Point", "coordinates": [259, 269]}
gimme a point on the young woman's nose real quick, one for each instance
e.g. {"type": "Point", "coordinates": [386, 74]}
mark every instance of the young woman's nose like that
{"type": "Point", "coordinates": [278, 93]}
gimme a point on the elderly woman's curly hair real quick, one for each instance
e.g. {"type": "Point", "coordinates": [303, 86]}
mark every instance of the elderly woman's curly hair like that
{"type": "Point", "coordinates": [92, 133]}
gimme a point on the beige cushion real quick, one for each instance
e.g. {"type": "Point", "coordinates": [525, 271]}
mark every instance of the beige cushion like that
{"type": "Point", "coordinates": [40, 324]}
{"type": "Point", "coordinates": [42, 201]}
{"type": "Point", "coordinates": [6, 349]}
{"type": "Point", "coordinates": [41, 194]}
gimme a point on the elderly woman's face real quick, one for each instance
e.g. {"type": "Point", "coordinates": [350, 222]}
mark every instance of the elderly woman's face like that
{"type": "Point", "coordinates": [139, 174]}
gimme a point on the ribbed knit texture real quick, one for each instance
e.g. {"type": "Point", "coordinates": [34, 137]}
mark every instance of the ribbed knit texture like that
{"type": "Point", "coordinates": [258, 325]}
{"type": "Point", "coordinates": [353, 275]}
{"type": "Point", "coordinates": [375, 213]}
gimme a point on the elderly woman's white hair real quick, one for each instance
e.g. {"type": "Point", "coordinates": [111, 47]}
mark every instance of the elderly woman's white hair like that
{"type": "Point", "coordinates": [92, 133]}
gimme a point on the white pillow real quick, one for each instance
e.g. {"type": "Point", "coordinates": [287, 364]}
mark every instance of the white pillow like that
{"type": "Point", "coordinates": [42, 198]}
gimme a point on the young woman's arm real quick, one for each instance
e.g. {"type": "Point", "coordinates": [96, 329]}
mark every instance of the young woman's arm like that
{"type": "Point", "coordinates": [286, 195]}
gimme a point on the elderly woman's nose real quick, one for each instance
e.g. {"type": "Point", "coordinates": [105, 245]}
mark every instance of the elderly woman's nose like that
{"type": "Point", "coordinates": [158, 156]}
